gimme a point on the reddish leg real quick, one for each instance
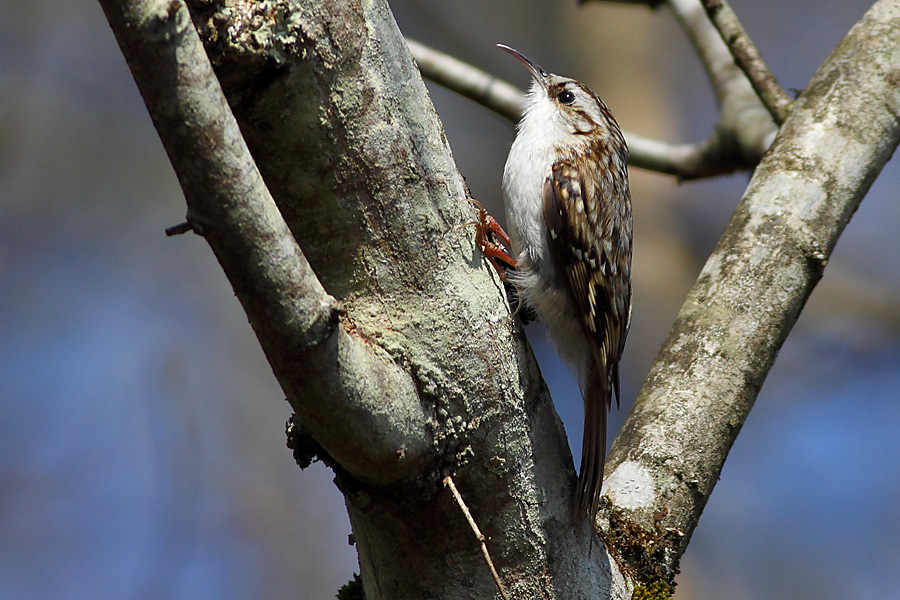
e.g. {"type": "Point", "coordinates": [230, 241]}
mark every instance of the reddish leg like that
{"type": "Point", "coordinates": [486, 227]}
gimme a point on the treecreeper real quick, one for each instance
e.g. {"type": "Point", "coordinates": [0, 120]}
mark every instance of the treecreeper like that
{"type": "Point", "coordinates": [568, 212]}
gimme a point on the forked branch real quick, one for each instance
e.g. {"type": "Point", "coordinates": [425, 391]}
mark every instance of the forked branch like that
{"type": "Point", "coordinates": [294, 318]}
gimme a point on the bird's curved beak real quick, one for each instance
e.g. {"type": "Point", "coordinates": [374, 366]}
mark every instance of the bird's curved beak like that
{"type": "Point", "coordinates": [537, 72]}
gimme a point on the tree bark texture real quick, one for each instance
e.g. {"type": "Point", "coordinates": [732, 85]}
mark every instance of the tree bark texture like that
{"type": "Point", "coordinates": [839, 134]}
{"type": "Point", "coordinates": [391, 337]}
{"type": "Point", "coordinates": [410, 366]}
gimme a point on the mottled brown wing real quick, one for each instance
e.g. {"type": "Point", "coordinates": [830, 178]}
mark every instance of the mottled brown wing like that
{"type": "Point", "coordinates": [589, 222]}
{"type": "Point", "coordinates": [588, 217]}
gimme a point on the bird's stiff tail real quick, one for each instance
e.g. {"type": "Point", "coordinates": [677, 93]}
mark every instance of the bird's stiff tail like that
{"type": "Point", "coordinates": [597, 400]}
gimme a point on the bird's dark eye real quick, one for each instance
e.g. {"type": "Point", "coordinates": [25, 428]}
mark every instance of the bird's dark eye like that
{"type": "Point", "coordinates": [566, 97]}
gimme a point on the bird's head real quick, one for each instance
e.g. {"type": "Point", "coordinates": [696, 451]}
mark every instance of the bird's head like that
{"type": "Point", "coordinates": [562, 103]}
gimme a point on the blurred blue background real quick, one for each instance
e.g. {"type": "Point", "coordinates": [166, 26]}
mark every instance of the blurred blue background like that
{"type": "Point", "coordinates": [141, 431]}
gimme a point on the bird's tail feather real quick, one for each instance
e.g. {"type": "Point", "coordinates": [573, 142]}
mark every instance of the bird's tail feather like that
{"type": "Point", "coordinates": [597, 400]}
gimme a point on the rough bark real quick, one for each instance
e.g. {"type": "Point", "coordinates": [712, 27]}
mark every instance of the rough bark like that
{"type": "Point", "coordinates": [418, 371]}
{"type": "Point", "coordinates": [668, 455]}
{"type": "Point", "coordinates": [389, 334]}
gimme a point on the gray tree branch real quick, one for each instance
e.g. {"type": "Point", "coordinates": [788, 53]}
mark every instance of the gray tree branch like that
{"type": "Point", "coordinates": [296, 321]}
{"type": "Point", "coordinates": [669, 453]}
{"type": "Point", "coordinates": [744, 127]}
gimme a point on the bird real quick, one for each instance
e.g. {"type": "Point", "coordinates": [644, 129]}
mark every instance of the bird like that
{"type": "Point", "coordinates": [568, 214]}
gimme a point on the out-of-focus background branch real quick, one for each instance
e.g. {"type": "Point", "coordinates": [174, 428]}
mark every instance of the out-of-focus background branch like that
{"type": "Point", "coordinates": [736, 142]}
{"type": "Point", "coordinates": [125, 360]}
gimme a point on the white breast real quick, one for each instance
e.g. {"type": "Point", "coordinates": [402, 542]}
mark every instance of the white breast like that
{"type": "Point", "coordinates": [532, 155]}
{"type": "Point", "coordinates": [535, 149]}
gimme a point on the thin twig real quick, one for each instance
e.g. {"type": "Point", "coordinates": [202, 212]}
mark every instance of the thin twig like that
{"type": "Point", "coordinates": [179, 229]}
{"type": "Point", "coordinates": [448, 481]}
{"type": "Point", "coordinates": [748, 59]}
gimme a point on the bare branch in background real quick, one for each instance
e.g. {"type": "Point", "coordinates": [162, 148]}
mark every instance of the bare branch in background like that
{"type": "Point", "coordinates": [501, 97]}
{"type": "Point", "coordinates": [744, 123]}
{"type": "Point", "coordinates": [748, 58]}
{"type": "Point", "coordinates": [711, 50]}
{"type": "Point", "coordinates": [714, 156]}
{"type": "Point", "coordinates": [744, 129]}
